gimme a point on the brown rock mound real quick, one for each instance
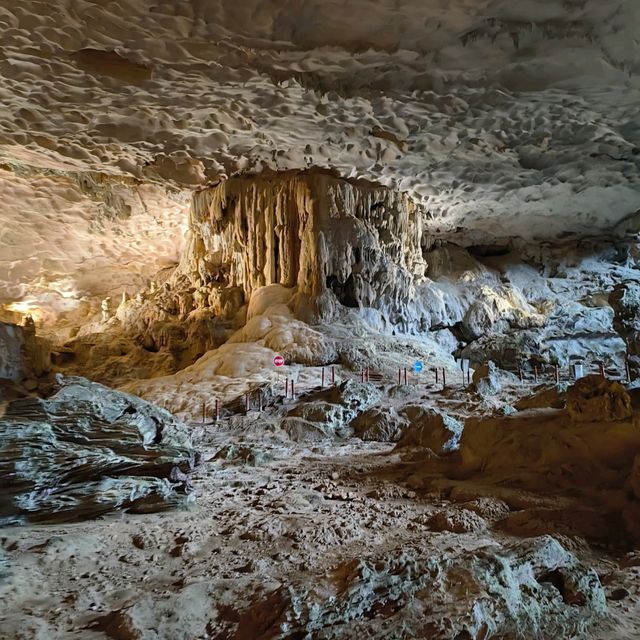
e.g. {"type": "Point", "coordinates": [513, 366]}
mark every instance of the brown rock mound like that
{"type": "Point", "coordinates": [596, 399]}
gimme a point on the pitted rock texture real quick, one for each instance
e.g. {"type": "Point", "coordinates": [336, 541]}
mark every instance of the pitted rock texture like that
{"type": "Point", "coordinates": [537, 589]}
{"type": "Point", "coordinates": [432, 97]}
{"type": "Point", "coordinates": [501, 120]}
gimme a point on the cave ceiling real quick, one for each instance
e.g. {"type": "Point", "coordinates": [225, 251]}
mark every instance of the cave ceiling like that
{"type": "Point", "coordinates": [502, 119]}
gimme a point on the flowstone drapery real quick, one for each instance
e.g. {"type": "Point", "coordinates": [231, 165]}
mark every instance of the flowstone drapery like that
{"type": "Point", "coordinates": [335, 240]}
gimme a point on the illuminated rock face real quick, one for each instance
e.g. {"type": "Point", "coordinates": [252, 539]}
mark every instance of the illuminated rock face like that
{"type": "Point", "coordinates": [22, 354]}
{"type": "Point", "coordinates": [480, 125]}
{"type": "Point", "coordinates": [12, 365]}
{"type": "Point", "coordinates": [315, 246]}
{"type": "Point", "coordinates": [70, 239]}
{"type": "Point", "coordinates": [504, 120]}
{"type": "Point", "coordinates": [337, 244]}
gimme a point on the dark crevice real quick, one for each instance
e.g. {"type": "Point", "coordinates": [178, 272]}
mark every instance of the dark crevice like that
{"type": "Point", "coordinates": [276, 258]}
{"type": "Point", "coordinates": [345, 292]}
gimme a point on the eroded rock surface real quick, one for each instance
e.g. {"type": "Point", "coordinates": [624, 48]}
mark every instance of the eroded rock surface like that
{"type": "Point", "coordinates": [534, 589]}
{"type": "Point", "coordinates": [366, 189]}
{"type": "Point", "coordinates": [380, 424]}
{"type": "Point", "coordinates": [625, 301]}
{"type": "Point", "coordinates": [430, 429]}
{"type": "Point", "coordinates": [89, 450]}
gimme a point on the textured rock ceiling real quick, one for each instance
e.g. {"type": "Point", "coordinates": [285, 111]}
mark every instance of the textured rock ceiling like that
{"type": "Point", "coordinates": [511, 118]}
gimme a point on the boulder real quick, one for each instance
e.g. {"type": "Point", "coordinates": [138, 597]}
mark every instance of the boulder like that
{"type": "Point", "coordinates": [380, 425]}
{"type": "Point", "coordinates": [486, 379]}
{"type": "Point", "coordinates": [430, 429]}
{"type": "Point", "coordinates": [597, 399]}
{"type": "Point", "coordinates": [89, 450]}
{"type": "Point", "coordinates": [506, 349]}
{"type": "Point", "coordinates": [328, 412]}
{"type": "Point", "coordinates": [301, 430]}
{"type": "Point", "coordinates": [331, 418]}
{"type": "Point", "coordinates": [544, 450]}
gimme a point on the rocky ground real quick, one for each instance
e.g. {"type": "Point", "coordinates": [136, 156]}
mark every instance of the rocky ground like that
{"type": "Point", "coordinates": [292, 535]}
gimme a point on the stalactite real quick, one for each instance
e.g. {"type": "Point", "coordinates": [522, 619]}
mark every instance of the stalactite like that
{"type": "Point", "coordinates": [334, 240]}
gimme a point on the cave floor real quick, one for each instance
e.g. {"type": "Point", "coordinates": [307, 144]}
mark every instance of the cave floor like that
{"type": "Point", "coordinates": [267, 513]}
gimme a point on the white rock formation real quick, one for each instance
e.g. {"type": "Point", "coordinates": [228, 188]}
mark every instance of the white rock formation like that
{"type": "Point", "coordinates": [333, 240]}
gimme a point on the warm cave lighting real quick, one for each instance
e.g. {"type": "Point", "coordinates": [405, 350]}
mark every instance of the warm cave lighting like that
{"type": "Point", "coordinates": [320, 320]}
{"type": "Point", "coordinates": [26, 308]}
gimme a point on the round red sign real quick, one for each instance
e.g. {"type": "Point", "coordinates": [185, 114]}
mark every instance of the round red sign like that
{"type": "Point", "coordinates": [278, 361]}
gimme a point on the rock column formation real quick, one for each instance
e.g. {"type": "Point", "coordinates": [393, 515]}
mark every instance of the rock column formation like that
{"type": "Point", "coordinates": [23, 355]}
{"type": "Point", "coordinates": [332, 239]}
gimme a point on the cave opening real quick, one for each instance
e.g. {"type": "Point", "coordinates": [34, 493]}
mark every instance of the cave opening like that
{"type": "Point", "coordinates": [345, 292]}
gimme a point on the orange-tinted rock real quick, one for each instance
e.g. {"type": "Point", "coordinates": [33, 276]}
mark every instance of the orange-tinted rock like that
{"type": "Point", "coordinates": [596, 399]}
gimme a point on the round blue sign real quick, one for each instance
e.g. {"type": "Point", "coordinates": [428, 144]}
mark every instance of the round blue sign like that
{"type": "Point", "coordinates": [417, 366]}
